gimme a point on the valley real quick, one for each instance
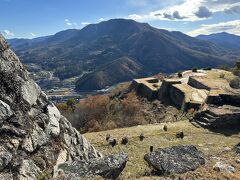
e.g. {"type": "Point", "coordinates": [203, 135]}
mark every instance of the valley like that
{"type": "Point", "coordinates": [102, 55]}
{"type": "Point", "coordinates": [120, 90]}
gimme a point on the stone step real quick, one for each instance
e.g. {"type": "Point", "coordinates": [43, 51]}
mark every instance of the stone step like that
{"type": "Point", "coordinates": [209, 116]}
{"type": "Point", "coordinates": [203, 124]}
{"type": "Point", "coordinates": [210, 113]}
{"type": "Point", "coordinates": [206, 120]}
{"type": "Point", "coordinates": [194, 123]}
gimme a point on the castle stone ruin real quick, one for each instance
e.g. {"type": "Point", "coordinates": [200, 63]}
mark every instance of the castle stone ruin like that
{"type": "Point", "coordinates": [205, 91]}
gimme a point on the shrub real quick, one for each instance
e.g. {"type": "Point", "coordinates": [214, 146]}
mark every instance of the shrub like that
{"type": "Point", "coordinates": [180, 74]}
{"type": "Point", "coordinates": [62, 106]}
{"type": "Point", "coordinates": [222, 75]}
{"type": "Point", "coordinates": [194, 69]}
{"type": "Point", "coordinates": [71, 103]}
{"type": "Point", "coordinates": [207, 68]}
{"type": "Point", "coordinates": [237, 65]}
{"type": "Point", "coordinates": [236, 72]}
{"type": "Point", "coordinates": [100, 112]}
{"type": "Point", "coordinates": [224, 67]}
{"type": "Point", "coordinates": [235, 83]}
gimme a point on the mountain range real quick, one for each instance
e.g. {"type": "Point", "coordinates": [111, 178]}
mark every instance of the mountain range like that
{"type": "Point", "coordinates": [226, 40]}
{"type": "Point", "coordinates": [103, 54]}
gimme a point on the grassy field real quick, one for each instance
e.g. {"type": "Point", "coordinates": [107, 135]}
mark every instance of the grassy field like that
{"type": "Point", "coordinates": [210, 143]}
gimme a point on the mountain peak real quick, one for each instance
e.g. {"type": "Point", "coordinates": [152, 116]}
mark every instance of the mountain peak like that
{"type": "Point", "coordinates": [98, 48]}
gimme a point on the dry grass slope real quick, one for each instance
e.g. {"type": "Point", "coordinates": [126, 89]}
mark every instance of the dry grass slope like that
{"type": "Point", "coordinates": [210, 143]}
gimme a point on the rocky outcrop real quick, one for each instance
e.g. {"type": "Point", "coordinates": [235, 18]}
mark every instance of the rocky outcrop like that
{"type": "Point", "coordinates": [176, 159]}
{"type": "Point", "coordinates": [108, 167]}
{"type": "Point", "coordinates": [33, 134]}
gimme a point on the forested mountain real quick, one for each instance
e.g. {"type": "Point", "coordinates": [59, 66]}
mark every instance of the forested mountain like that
{"type": "Point", "coordinates": [118, 50]}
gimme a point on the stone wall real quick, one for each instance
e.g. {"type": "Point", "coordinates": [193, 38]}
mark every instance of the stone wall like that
{"type": "Point", "coordinates": [197, 84]}
{"type": "Point", "coordinates": [177, 97]}
{"type": "Point", "coordinates": [144, 91]}
{"type": "Point", "coordinates": [163, 92]}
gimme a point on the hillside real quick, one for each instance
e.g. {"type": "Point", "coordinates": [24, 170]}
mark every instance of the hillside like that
{"type": "Point", "coordinates": [226, 40]}
{"type": "Point", "coordinates": [71, 53]}
{"type": "Point", "coordinates": [119, 70]}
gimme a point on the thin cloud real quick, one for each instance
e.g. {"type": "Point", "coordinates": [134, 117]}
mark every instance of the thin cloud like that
{"type": "Point", "coordinates": [85, 23]}
{"type": "Point", "coordinates": [189, 10]}
{"type": "Point", "coordinates": [68, 22]}
{"type": "Point", "coordinates": [183, 11]}
{"type": "Point", "coordinates": [8, 33]}
{"type": "Point", "coordinates": [32, 34]}
{"type": "Point", "coordinates": [228, 26]}
{"type": "Point", "coordinates": [233, 10]}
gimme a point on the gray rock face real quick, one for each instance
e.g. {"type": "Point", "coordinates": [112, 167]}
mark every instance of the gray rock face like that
{"type": "Point", "coordinates": [32, 129]}
{"type": "Point", "coordinates": [5, 157]}
{"type": "Point", "coordinates": [176, 159]}
{"type": "Point", "coordinates": [108, 167]}
{"type": "Point", "coordinates": [5, 111]}
{"type": "Point", "coordinates": [3, 44]}
{"type": "Point", "coordinates": [28, 170]}
{"type": "Point", "coordinates": [53, 124]}
{"type": "Point", "coordinates": [30, 92]}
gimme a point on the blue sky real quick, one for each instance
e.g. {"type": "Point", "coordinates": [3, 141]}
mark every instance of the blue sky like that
{"type": "Point", "coordinates": [32, 18]}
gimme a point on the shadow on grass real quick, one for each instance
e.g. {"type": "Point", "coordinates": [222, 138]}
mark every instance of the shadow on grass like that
{"type": "Point", "coordinates": [227, 130]}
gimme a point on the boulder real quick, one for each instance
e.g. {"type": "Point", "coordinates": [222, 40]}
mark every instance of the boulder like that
{"type": "Point", "coordinates": [30, 92]}
{"type": "Point", "coordinates": [175, 159]}
{"type": "Point", "coordinates": [54, 117]}
{"type": "Point", "coordinates": [223, 167]}
{"type": "Point", "coordinates": [109, 167]}
{"type": "Point", "coordinates": [237, 148]}
{"type": "Point", "coordinates": [5, 111]}
{"type": "Point", "coordinates": [124, 140]}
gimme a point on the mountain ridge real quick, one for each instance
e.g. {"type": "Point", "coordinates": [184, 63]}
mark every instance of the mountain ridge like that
{"type": "Point", "coordinates": [224, 39]}
{"type": "Point", "coordinates": [99, 44]}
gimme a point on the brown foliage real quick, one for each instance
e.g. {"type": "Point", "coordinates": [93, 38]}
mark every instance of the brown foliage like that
{"type": "Point", "coordinates": [97, 113]}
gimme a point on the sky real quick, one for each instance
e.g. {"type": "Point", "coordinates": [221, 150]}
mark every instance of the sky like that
{"type": "Point", "coordinates": [34, 18]}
